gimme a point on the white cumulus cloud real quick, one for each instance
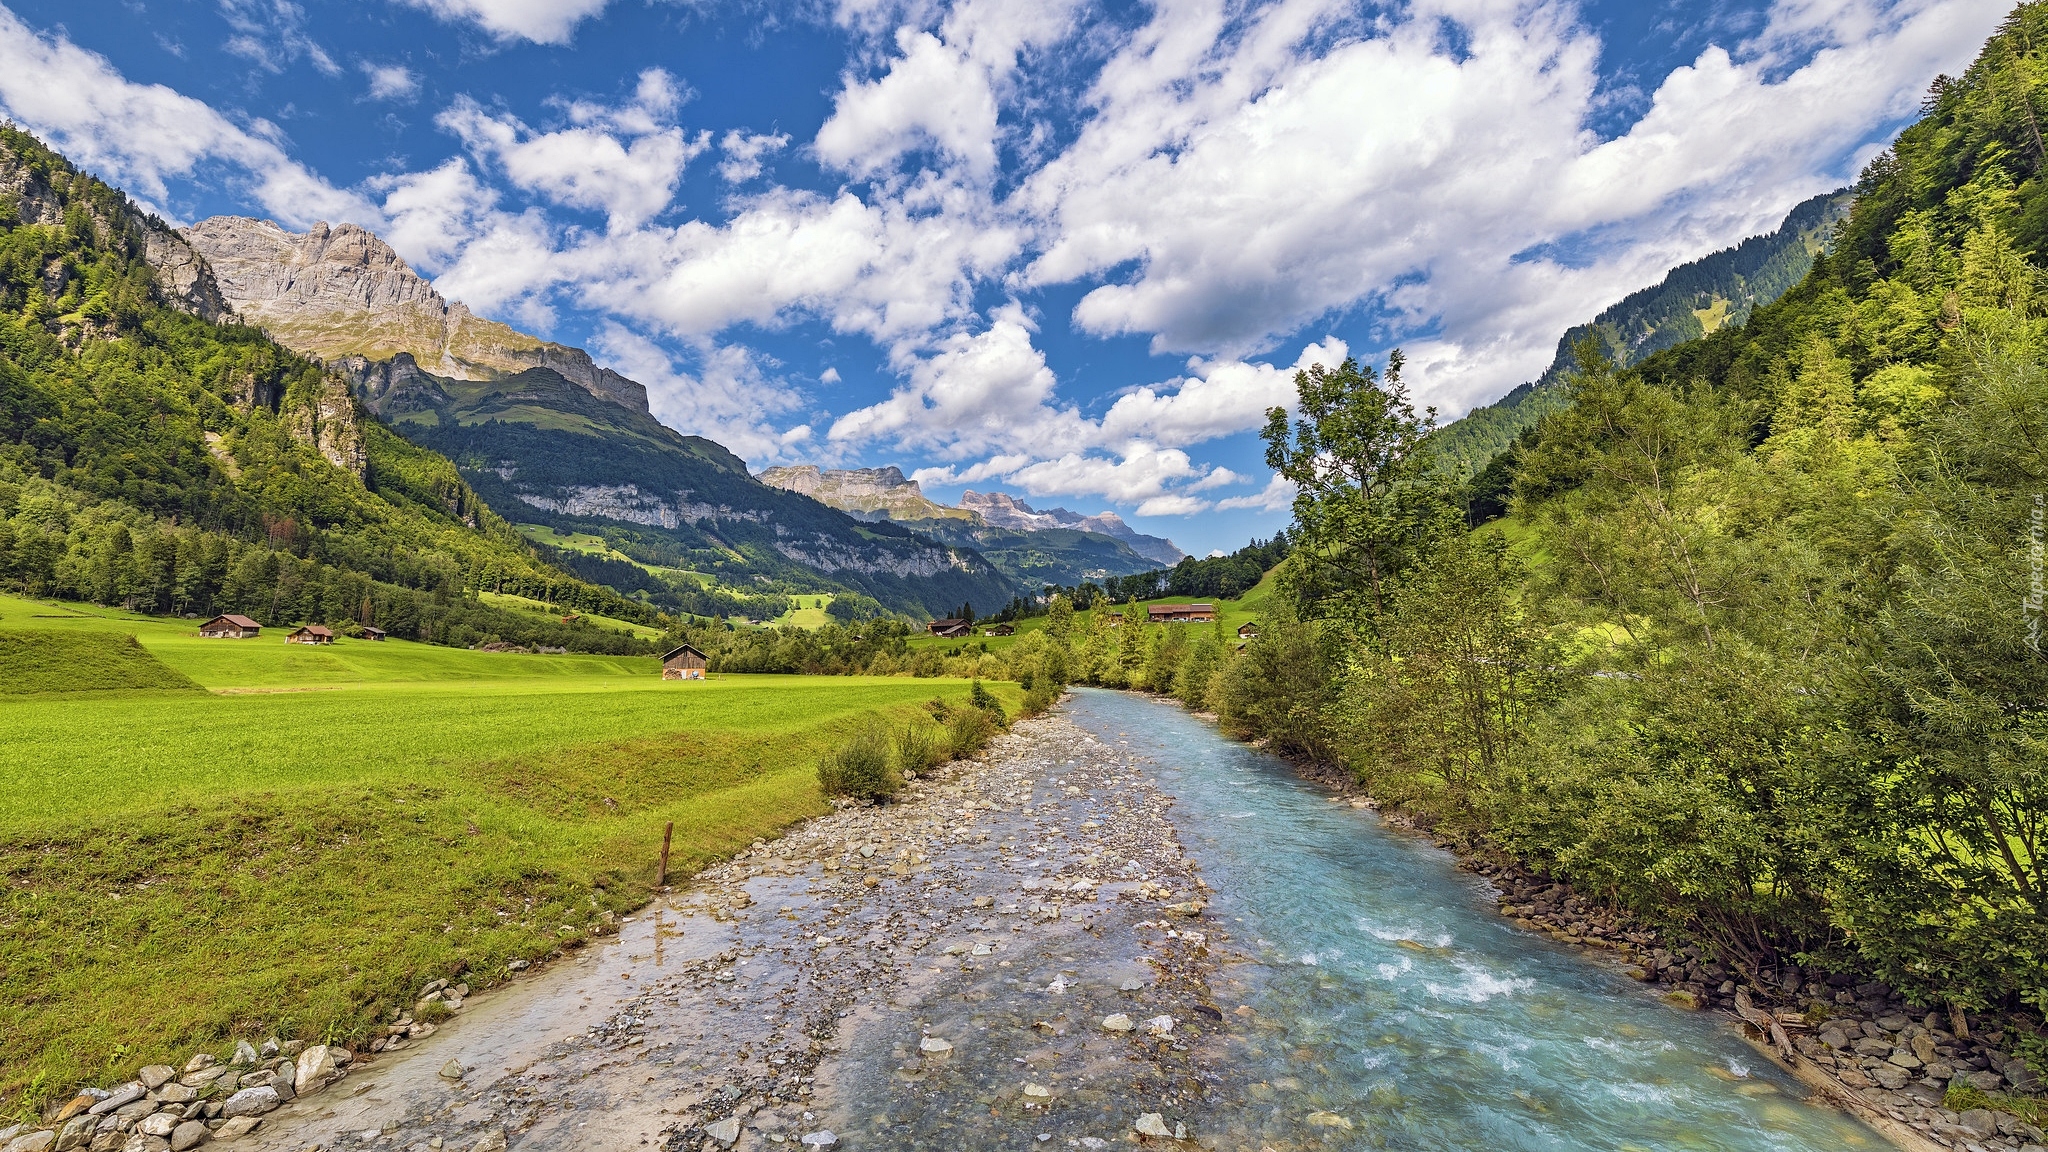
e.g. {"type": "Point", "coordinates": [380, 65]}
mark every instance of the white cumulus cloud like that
{"type": "Point", "coordinates": [541, 21]}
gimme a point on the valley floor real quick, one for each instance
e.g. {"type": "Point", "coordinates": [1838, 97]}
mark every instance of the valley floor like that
{"type": "Point", "coordinates": [934, 973]}
{"type": "Point", "coordinates": [277, 839]}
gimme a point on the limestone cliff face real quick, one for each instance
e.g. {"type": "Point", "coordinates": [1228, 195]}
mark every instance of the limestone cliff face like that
{"type": "Point", "coordinates": [332, 423]}
{"type": "Point", "coordinates": [183, 277]}
{"type": "Point", "coordinates": [1006, 511]}
{"type": "Point", "coordinates": [882, 493]}
{"type": "Point", "coordinates": [338, 292]}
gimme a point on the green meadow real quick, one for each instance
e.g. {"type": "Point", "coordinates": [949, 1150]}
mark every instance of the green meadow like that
{"type": "Point", "coordinates": [205, 839]}
{"type": "Point", "coordinates": [1230, 613]}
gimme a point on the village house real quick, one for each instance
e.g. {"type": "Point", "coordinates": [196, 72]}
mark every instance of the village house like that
{"type": "Point", "coordinates": [1001, 630]}
{"type": "Point", "coordinates": [1181, 613]}
{"type": "Point", "coordinates": [310, 634]}
{"type": "Point", "coordinates": [370, 633]}
{"type": "Point", "coordinates": [1247, 630]}
{"type": "Point", "coordinates": [683, 663]}
{"type": "Point", "coordinates": [950, 629]}
{"type": "Point", "coordinates": [230, 627]}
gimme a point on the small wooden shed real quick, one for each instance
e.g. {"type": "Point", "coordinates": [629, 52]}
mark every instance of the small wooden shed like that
{"type": "Point", "coordinates": [1247, 630]}
{"type": "Point", "coordinates": [683, 663]}
{"type": "Point", "coordinates": [1001, 630]}
{"type": "Point", "coordinates": [310, 634]}
{"type": "Point", "coordinates": [950, 629]}
{"type": "Point", "coordinates": [230, 627]}
{"type": "Point", "coordinates": [370, 633]}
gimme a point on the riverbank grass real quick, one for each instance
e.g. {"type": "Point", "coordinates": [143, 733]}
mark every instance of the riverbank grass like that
{"type": "Point", "coordinates": [297, 855]}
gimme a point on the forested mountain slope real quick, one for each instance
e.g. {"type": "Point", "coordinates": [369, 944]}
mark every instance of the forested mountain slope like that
{"type": "Point", "coordinates": [548, 437]}
{"type": "Point", "coordinates": [1702, 296]}
{"type": "Point", "coordinates": [1757, 653]}
{"type": "Point", "coordinates": [153, 456]}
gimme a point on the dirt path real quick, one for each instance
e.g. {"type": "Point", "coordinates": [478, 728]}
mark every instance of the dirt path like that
{"type": "Point", "coordinates": [932, 973]}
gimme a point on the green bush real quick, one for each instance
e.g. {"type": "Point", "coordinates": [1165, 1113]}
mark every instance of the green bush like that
{"type": "Point", "coordinates": [919, 749]}
{"type": "Point", "coordinates": [985, 700]}
{"type": "Point", "coordinates": [859, 769]}
{"type": "Point", "coordinates": [968, 730]}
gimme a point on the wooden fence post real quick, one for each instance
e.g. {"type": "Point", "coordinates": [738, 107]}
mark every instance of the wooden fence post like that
{"type": "Point", "coordinates": [665, 835]}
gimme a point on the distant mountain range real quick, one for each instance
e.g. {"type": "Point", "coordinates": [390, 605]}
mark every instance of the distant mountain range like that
{"type": "Point", "coordinates": [1693, 299]}
{"type": "Point", "coordinates": [546, 436]}
{"type": "Point", "coordinates": [1035, 548]}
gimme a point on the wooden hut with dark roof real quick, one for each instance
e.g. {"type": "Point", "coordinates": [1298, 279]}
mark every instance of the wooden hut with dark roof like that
{"type": "Point", "coordinates": [683, 663]}
{"type": "Point", "coordinates": [230, 627]}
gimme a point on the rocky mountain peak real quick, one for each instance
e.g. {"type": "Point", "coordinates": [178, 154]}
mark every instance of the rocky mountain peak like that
{"type": "Point", "coordinates": [339, 291]}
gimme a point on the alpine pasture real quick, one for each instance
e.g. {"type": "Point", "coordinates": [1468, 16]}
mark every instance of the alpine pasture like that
{"type": "Point", "coordinates": [203, 838]}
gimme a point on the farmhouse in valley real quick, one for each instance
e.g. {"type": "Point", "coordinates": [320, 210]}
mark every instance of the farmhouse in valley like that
{"type": "Point", "coordinates": [1247, 630]}
{"type": "Point", "coordinates": [230, 627]}
{"type": "Point", "coordinates": [684, 663]}
{"type": "Point", "coordinates": [1181, 613]}
{"type": "Point", "coordinates": [950, 629]}
{"type": "Point", "coordinates": [370, 633]}
{"type": "Point", "coordinates": [310, 634]}
{"type": "Point", "coordinates": [1001, 630]}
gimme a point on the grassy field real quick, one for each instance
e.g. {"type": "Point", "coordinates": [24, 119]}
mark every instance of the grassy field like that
{"type": "Point", "coordinates": [526, 604]}
{"type": "Point", "coordinates": [297, 847]}
{"type": "Point", "coordinates": [808, 613]}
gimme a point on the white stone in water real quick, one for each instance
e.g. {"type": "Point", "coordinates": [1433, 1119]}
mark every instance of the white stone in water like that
{"type": "Point", "coordinates": [493, 1141]}
{"type": "Point", "coordinates": [1152, 1124]}
{"type": "Point", "coordinates": [820, 1139]}
{"type": "Point", "coordinates": [1037, 1090]}
{"type": "Point", "coordinates": [1117, 1023]}
{"type": "Point", "coordinates": [1160, 1025]}
{"type": "Point", "coordinates": [934, 1044]}
{"type": "Point", "coordinates": [726, 1131]}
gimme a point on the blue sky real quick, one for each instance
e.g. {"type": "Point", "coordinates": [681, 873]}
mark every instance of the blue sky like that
{"type": "Point", "coordinates": [1067, 250]}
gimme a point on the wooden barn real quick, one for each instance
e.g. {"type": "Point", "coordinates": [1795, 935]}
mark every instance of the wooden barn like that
{"type": "Point", "coordinates": [1247, 630]}
{"type": "Point", "coordinates": [230, 627]}
{"type": "Point", "coordinates": [1001, 630]}
{"type": "Point", "coordinates": [1181, 613]}
{"type": "Point", "coordinates": [370, 633]}
{"type": "Point", "coordinates": [310, 634]}
{"type": "Point", "coordinates": [950, 629]}
{"type": "Point", "coordinates": [684, 663]}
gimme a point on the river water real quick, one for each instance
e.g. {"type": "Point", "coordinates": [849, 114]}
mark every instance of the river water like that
{"type": "Point", "coordinates": [1394, 996]}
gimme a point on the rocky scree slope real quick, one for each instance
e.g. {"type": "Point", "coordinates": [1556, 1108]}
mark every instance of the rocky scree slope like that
{"type": "Point", "coordinates": [545, 435]}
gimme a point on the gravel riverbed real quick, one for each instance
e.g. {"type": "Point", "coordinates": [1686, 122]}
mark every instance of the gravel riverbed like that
{"type": "Point", "coordinates": [933, 972]}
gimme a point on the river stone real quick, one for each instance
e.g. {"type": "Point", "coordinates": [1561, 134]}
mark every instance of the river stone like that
{"type": "Point", "coordinates": [452, 1070]}
{"type": "Point", "coordinates": [175, 1093]}
{"type": "Point", "coordinates": [1160, 1025]}
{"type": "Point", "coordinates": [144, 1142]}
{"type": "Point", "coordinates": [1903, 1059]}
{"type": "Point", "coordinates": [1131, 984]}
{"type": "Point", "coordinates": [314, 1069]}
{"type": "Point", "coordinates": [1890, 1077]}
{"type": "Point", "coordinates": [127, 1093]}
{"type": "Point", "coordinates": [237, 1127]}
{"type": "Point", "coordinates": [75, 1132]}
{"type": "Point", "coordinates": [245, 1053]}
{"type": "Point", "coordinates": [1980, 1122]}
{"type": "Point", "coordinates": [824, 1138]}
{"type": "Point", "coordinates": [726, 1131]}
{"type": "Point", "coordinates": [251, 1102]}
{"type": "Point", "coordinates": [77, 1105]}
{"type": "Point", "coordinates": [1985, 1081]}
{"type": "Point", "coordinates": [33, 1142]}
{"type": "Point", "coordinates": [1152, 1124]}
{"type": "Point", "coordinates": [1329, 1120]}
{"type": "Point", "coordinates": [200, 1062]}
{"type": "Point", "coordinates": [189, 1135]}
{"type": "Point", "coordinates": [158, 1124]}
{"type": "Point", "coordinates": [934, 1045]}
{"type": "Point", "coordinates": [493, 1141]}
{"type": "Point", "coordinates": [156, 1076]}
{"type": "Point", "coordinates": [1037, 1091]}
{"type": "Point", "coordinates": [1118, 1022]}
